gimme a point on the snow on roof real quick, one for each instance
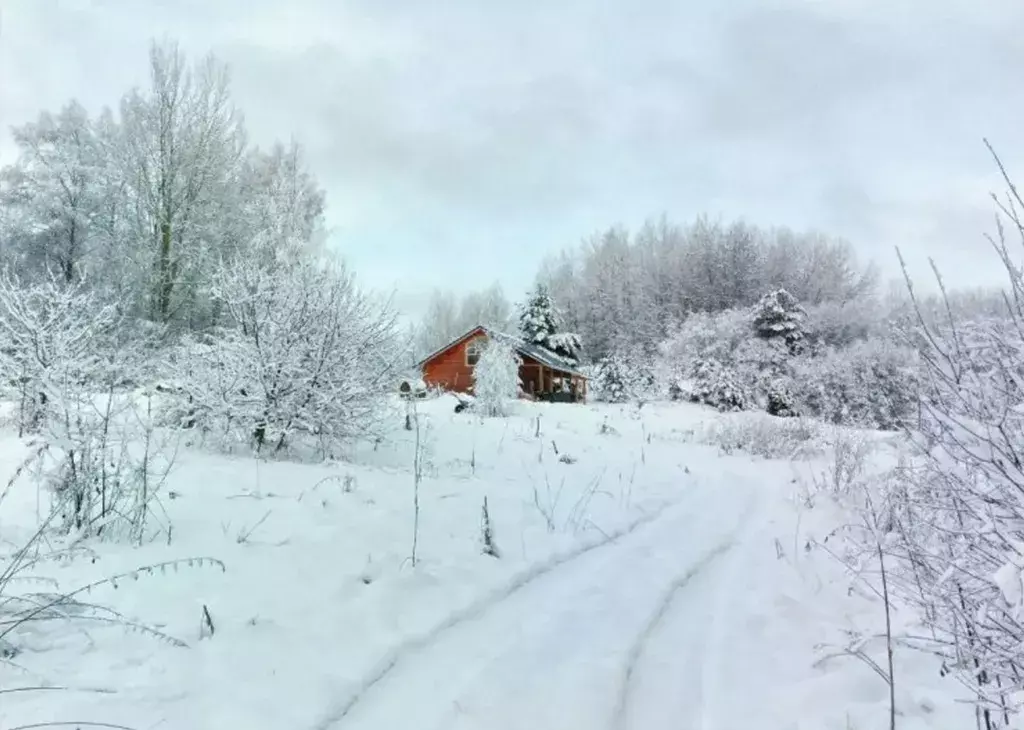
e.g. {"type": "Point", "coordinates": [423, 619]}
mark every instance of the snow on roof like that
{"type": "Point", "coordinates": [533, 351]}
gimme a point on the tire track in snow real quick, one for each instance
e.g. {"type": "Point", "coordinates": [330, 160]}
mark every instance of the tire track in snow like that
{"type": "Point", "coordinates": [480, 607]}
{"type": "Point", "coordinates": [711, 667]}
{"type": "Point", "coordinates": [669, 597]}
{"type": "Point", "coordinates": [664, 606]}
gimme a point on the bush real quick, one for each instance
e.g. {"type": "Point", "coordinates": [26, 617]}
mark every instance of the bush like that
{"type": "Point", "coordinates": [871, 384]}
{"type": "Point", "coordinates": [98, 453]}
{"type": "Point", "coordinates": [762, 435]}
{"type": "Point", "coordinates": [624, 376]}
{"type": "Point", "coordinates": [717, 385]}
{"type": "Point", "coordinates": [307, 354]}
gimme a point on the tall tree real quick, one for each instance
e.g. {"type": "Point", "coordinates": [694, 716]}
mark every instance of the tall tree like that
{"type": "Point", "coordinates": [54, 191]}
{"type": "Point", "coordinates": [182, 146]}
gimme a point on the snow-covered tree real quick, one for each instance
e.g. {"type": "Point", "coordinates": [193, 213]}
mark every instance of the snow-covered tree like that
{"type": "Point", "coordinates": [540, 324]}
{"type": "Point", "coordinates": [64, 352]}
{"type": "Point", "coordinates": [496, 381]}
{"type": "Point", "coordinates": [538, 319]}
{"type": "Point", "coordinates": [447, 316]}
{"type": "Point", "coordinates": [778, 315]}
{"type": "Point", "coordinates": [181, 147]}
{"type": "Point", "coordinates": [567, 345]}
{"type": "Point", "coordinates": [306, 353]}
{"type": "Point", "coordinates": [487, 307]}
{"type": "Point", "coordinates": [619, 287]}
{"type": "Point", "coordinates": [624, 376]}
{"type": "Point", "coordinates": [55, 191]}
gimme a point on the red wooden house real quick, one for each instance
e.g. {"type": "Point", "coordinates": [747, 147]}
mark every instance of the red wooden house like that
{"type": "Point", "coordinates": [543, 374]}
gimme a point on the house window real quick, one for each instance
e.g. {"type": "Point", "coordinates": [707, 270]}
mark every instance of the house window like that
{"type": "Point", "coordinates": [473, 350]}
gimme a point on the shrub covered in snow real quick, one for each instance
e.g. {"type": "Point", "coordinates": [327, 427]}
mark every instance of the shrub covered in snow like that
{"type": "Point", "coordinates": [624, 376]}
{"type": "Point", "coordinates": [307, 353]}
{"type": "Point", "coordinates": [496, 378]}
{"type": "Point", "coordinates": [720, 386]}
{"type": "Point", "coordinates": [872, 384]}
{"type": "Point", "coordinates": [763, 359]}
{"type": "Point", "coordinates": [770, 438]}
{"type": "Point", "coordinates": [67, 357]}
{"type": "Point", "coordinates": [947, 526]}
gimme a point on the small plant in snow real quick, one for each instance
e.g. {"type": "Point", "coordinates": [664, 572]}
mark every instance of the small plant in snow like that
{"type": "Point", "coordinates": [487, 533]}
{"type": "Point", "coordinates": [496, 378]}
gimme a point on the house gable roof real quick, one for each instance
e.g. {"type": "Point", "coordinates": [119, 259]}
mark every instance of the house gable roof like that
{"type": "Point", "coordinates": [527, 349]}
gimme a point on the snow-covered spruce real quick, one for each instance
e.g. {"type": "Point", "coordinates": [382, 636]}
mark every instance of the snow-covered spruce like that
{"type": "Point", "coordinates": [540, 324]}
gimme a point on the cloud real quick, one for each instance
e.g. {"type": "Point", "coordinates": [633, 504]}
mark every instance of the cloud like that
{"type": "Point", "coordinates": [460, 142]}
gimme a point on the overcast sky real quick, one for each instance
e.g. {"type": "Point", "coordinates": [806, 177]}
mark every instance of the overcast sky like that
{"type": "Point", "coordinates": [460, 141]}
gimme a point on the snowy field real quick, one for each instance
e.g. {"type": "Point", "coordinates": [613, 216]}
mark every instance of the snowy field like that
{"type": "Point", "coordinates": [651, 573]}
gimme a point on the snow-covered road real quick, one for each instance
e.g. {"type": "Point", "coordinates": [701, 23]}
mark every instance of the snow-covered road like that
{"type": "Point", "coordinates": [630, 634]}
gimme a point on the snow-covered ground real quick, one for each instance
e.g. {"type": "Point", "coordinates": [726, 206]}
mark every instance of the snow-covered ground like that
{"type": "Point", "coordinates": [646, 579]}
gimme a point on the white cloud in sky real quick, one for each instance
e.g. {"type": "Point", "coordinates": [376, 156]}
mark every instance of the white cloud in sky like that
{"type": "Point", "coordinates": [460, 142]}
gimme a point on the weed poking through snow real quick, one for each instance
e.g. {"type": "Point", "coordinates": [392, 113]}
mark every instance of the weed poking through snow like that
{"type": "Point", "coordinates": [487, 533]}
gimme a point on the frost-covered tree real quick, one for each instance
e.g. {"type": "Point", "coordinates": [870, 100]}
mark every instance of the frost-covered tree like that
{"type": "Point", "coordinates": [778, 315]}
{"type": "Point", "coordinates": [496, 381]}
{"type": "Point", "coordinates": [447, 316]}
{"type": "Point", "coordinates": [306, 353]}
{"type": "Point", "coordinates": [181, 147]}
{"type": "Point", "coordinates": [540, 324]}
{"type": "Point", "coordinates": [64, 352]}
{"type": "Point", "coordinates": [538, 318]}
{"type": "Point", "coordinates": [55, 191]}
{"type": "Point", "coordinates": [619, 287]}
{"type": "Point", "coordinates": [625, 376]}
{"type": "Point", "coordinates": [487, 307]}
{"type": "Point", "coordinates": [280, 205]}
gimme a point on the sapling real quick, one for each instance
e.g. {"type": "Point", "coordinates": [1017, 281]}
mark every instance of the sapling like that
{"type": "Point", "coordinates": [417, 469]}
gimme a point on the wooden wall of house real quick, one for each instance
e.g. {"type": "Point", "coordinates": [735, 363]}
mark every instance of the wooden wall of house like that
{"type": "Point", "coordinates": [449, 370]}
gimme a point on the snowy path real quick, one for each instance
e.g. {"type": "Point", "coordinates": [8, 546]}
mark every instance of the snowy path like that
{"type": "Point", "coordinates": [628, 635]}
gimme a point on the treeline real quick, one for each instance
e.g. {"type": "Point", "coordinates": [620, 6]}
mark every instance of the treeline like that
{"type": "Point", "coordinates": [629, 289]}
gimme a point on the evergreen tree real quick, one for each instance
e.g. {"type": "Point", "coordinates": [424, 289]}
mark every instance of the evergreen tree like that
{"type": "Point", "coordinates": [539, 320]}
{"type": "Point", "coordinates": [566, 345]}
{"type": "Point", "coordinates": [779, 316]}
{"type": "Point", "coordinates": [540, 324]}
